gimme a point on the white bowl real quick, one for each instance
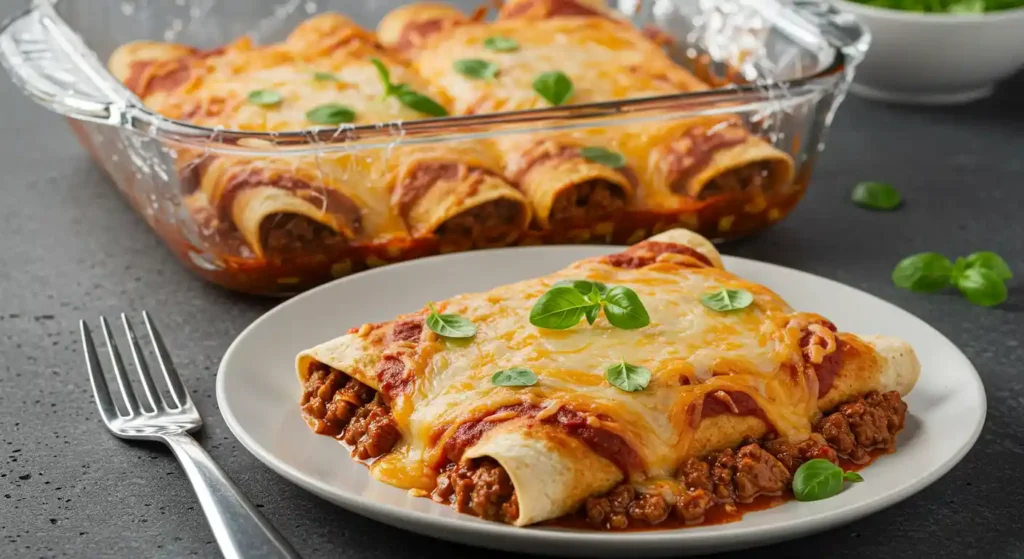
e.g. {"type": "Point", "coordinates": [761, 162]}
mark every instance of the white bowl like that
{"type": "Point", "coordinates": [936, 58]}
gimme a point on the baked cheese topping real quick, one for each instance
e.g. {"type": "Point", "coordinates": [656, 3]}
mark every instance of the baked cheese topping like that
{"type": "Point", "coordinates": [691, 351]}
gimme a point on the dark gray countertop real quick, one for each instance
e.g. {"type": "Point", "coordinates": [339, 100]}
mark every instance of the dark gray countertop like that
{"type": "Point", "coordinates": [70, 248]}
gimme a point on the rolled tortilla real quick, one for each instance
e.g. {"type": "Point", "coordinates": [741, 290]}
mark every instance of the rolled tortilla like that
{"type": "Point", "coordinates": [254, 195]}
{"type": "Point", "coordinates": [553, 473]}
{"type": "Point", "coordinates": [410, 27]}
{"type": "Point", "coordinates": [458, 194]}
{"type": "Point", "coordinates": [544, 9]}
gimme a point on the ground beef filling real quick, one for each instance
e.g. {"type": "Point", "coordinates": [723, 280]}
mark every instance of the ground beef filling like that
{"type": "Point", "coordinates": [340, 406]}
{"type": "Point", "coordinates": [747, 177]}
{"type": "Point", "coordinates": [591, 200]}
{"type": "Point", "coordinates": [482, 487]}
{"type": "Point", "coordinates": [292, 234]}
{"type": "Point", "coordinates": [478, 487]}
{"type": "Point", "coordinates": [488, 225]}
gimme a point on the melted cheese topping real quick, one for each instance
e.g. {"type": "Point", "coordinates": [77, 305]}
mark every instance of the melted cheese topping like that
{"type": "Point", "coordinates": [754, 351]}
{"type": "Point", "coordinates": [604, 60]}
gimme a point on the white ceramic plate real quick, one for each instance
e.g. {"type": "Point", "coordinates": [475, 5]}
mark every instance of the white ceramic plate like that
{"type": "Point", "coordinates": [258, 393]}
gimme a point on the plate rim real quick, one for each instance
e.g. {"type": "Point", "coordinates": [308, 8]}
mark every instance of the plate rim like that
{"type": "Point", "coordinates": [738, 535]}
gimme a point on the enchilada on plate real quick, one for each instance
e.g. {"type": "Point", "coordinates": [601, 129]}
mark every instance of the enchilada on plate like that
{"type": "Point", "coordinates": [649, 387]}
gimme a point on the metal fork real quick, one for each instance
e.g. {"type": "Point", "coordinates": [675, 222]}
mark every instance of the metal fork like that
{"type": "Point", "coordinates": [240, 530]}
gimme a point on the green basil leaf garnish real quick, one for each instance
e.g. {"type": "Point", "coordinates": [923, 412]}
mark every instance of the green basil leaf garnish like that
{"type": "Point", "coordinates": [990, 261]}
{"type": "Point", "coordinates": [603, 156]}
{"type": "Point", "coordinates": [820, 479]}
{"type": "Point", "coordinates": [560, 308]}
{"type": "Point", "coordinates": [924, 272]}
{"type": "Point", "coordinates": [264, 97]}
{"type": "Point", "coordinates": [555, 87]}
{"type": "Point", "coordinates": [331, 113]}
{"type": "Point", "coordinates": [592, 313]}
{"type": "Point", "coordinates": [325, 77]}
{"type": "Point", "coordinates": [624, 376]}
{"type": "Point", "coordinates": [876, 196]}
{"type": "Point", "coordinates": [498, 43]}
{"type": "Point", "coordinates": [624, 309]}
{"type": "Point", "coordinates": [450, 325]}
{"type": "Point", "coordinates": [406, 95]}
{"type": "Point", "coordinates": [585, 287]}
{"type": "Point", "coordinates": [419, 102]}
{"type": "Point", "coordinates": [982, 287]}
{"type": "Point", "coordinates": [516, 376]}
{"type": "Point", "coordinates": [725, 300]}
{"type": "Point", "coordinates": [476, 68]}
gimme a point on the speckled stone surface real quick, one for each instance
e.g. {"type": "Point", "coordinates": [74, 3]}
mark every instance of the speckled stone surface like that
{"type": "Point", "coordinates": [71, 248]}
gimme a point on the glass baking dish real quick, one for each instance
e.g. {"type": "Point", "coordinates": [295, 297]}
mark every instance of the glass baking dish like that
{"type": "Point", "coordinates": [776, 70]}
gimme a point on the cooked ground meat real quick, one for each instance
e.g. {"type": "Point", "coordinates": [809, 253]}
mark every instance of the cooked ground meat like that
{"type": "Point", "coordinates": [863, 425]}
{"type": "Point", "coordinates": [287, 234]}
{"type": "Point", "coordinates": [737, 180]}
{"type": "Point", "coordinates": [330, 399]}
{"type": "Point", "coordinates": [372, 431]}
{"type": "Point", "coordinates": [478, 487]}
{"type": "Point", "coordinates": [488, 225]}
{"type": "Point", "coordinates": [592, 200]}
{"type": "Point", "coordinates": [727, 477]}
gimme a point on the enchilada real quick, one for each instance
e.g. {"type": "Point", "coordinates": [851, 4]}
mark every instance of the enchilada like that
{"type": "Point", "coordinates": [524, 416]}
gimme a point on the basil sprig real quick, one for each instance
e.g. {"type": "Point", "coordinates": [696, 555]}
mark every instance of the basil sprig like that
{"type": "Point", "coordinates": [331, 113]}
{"type": "Point", "coordinates": [603, 156]}
{"type": "Point", "coordinates": [725, 300]}
{"type": "Point", "coordinates": [981, 276]}
{"type": "Point", "coordinates": [497, 43]}
{"type": "Point", "coordinates": [450, 325]}
{"type": "Point", "coordinates": [876, 196]}
{"type": "Point", "coordinates": [325, 77]}
{"type": "Point", "coordinates": [568, 301]}
{"type": "Point", "coordinates": [516, 376]}
{"type": "Point", "coordinates": [820, 479]}
{"type": "Point", "coordinates": [628, 377]}
{"type": "Point", "coordinates": [406, 95]}
{"type": "Point", "coordinates": [476, 68]}
{"type": "Point", "coordinates": [264, 97]}
{"type": "Point", "coordinates": [555, 87]}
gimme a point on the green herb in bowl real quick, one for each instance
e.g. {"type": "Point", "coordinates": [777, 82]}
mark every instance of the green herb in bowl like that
{"type": "Point", "coordinates": [945, 6]}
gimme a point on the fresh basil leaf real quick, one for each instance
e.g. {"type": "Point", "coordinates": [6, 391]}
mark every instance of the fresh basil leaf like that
{"type": "Point", "coordinates": [603, 156]}
{"type": "Point", "coordinates": [725, 300]}
{"type": "Point", "coordinates": [876, 196]}
{"type": "Point", "coordinates": [624, 376]}
{"type": "Point", "coordinates": [264, 97]}
{"type": "Point", "coordinates": [624, 309]}
{"type": "Point", "coordinates": [331, 113]}
{"type": "Point", "coordinates": [989, 261]}
{"type": "Point", "coordinates": [560, 308]}
{"type": "Point", "coordinates": [555, 87]}
{"type": "Point", "coordinates": [967, 7]}
{"type": "Point", "coordinates": [419, 102]}
{"type": "Point", "coordinates": [384, 75]}
{"type": "Point", "coordinates": [476, 68]}
{"type": "Point", "coordinates": [325, 77]}
{"type": "Point", "coordinates": [584, 286]}
{"type": "Point", "coordinates": [516, 376]}
{"type": "Point", "coordinates": [450, 325]}
{"type": "Point", "coordinates": [498, 43]}
{"type": "Point", "coordinates": [817, 479]}
{"type": "Point", "coordinates": [853, 476]}
{"type": "Point", "coordinates": [924, 272]}
{"type": "Point", "coordinates": [592, 313]}
{"type": "Point", "coordinates": [982, 287]}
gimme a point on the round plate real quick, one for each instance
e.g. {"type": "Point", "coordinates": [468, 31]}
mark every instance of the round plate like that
{"type": "Point", "coordinates": [258, 393]}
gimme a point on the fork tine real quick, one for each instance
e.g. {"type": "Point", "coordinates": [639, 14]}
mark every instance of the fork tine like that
{"type": "Point", "coordinates": [122, 376]}
{"type": "Point", "coordinates": [108, 411]}
{"type": "Point", "coordinates": [178, 391]}
{"type": "Point", "coordinates": [152, 394]}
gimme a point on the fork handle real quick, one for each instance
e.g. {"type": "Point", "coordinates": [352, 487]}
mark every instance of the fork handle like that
{"type": "Point", "coordinates": [241, 531]}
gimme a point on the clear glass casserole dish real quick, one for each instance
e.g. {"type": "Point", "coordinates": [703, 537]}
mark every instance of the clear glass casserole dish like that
{"type": "Point", "coordinates": [274, 208]}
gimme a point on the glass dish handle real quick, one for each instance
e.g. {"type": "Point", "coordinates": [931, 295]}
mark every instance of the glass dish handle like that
{"type": "Point", "coordinates": [840, 28]}
{"type": "Point", "coordinates": [51, 64]}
